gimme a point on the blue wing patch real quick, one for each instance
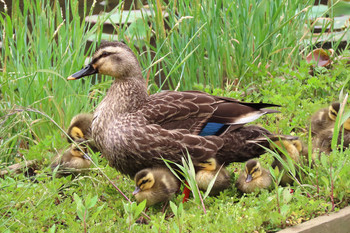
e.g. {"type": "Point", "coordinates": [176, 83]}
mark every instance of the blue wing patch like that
{"type": "Point", "coordinates": [212, 128]}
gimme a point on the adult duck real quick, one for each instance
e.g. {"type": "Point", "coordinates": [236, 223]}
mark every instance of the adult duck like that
{"type": "Point", "coordinates": [135, 130]}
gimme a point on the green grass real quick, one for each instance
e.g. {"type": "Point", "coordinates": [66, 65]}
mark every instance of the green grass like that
{"type": "Point", "coordinates": [221, 48]}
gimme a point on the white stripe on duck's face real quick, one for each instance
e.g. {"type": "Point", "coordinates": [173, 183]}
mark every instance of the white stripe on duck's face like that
{"type": "Point", "coordinates": [115, 61]}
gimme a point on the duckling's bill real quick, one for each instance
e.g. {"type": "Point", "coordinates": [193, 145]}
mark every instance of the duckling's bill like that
{"type": "Point", "coordinates": [86, 71]}
{"type": "Point", "coordinates": [136, 191]}
{"type": "Point", "coordinates": [249, 178]}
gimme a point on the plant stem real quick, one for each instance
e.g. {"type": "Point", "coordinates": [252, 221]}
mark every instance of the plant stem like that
{"type": "Point", "coordinates": [200, 197]}
{"type": "Point", "coordinates": [84, 220]}
{"type": "Point", "coordinates": [332, 188]}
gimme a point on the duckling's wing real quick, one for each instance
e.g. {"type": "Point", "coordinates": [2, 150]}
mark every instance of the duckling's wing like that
{"type": "Point", "coordinates": [200, 113]}
{"type": "Point", "coordinates": [320, 121]}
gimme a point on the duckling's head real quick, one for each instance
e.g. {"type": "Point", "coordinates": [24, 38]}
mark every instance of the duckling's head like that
{"type": "Point", "coordinates": [80, 127]}
{"type": "Point", "coordinates": [144, 180]}
{"type": "Point", "coordinates": [298, 145]}
{"type": "Point", "coordinates": [115, 59]}
{"type": "Point", "coordinates": [76, 152]}
{"type": "Point", "coordinates": [333, 110]}
{"type": "Point", "coordinates": [252, 170]}
{"type": "Point", "coordinates": [292, 147]}
{"type": "Point", "coordinates": [208, 165]}
{"type": "Point", "coordinates": [347, 124]}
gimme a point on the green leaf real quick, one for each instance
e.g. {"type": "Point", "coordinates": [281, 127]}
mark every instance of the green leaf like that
{"type": "Point", "coordinates": [97, 211]}
{"type": "Point", "coordinates": [52, 229]}
{"type": "Point", "coordinates": [140, 207]}
{"type": "Point", "coordinates": [91, 202]}
{"type": "Point", "coordinates": [287, 196]}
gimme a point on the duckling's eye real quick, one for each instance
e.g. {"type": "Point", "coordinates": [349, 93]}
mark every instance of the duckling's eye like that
{"type": "Point", "coordinates": [144, 182]}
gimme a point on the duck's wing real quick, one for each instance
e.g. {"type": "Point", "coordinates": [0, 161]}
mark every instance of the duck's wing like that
{"type": "Point", "coordinates": [200, 113]}
{"type": "Point", "coordinates": [141, 145]}
{"type": "Point", "coordinates": [239, 145]}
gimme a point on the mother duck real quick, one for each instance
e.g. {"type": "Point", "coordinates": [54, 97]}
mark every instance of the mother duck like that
{"type": "Point", "coordinates": [134, 130]}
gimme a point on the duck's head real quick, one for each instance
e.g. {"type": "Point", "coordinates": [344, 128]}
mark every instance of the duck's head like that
{"type": "Point", "coordinates": [333, 110]}
{"type": "Point", "coordinates": [115, 59]}
{"type": "Point", "coordinates": [144, 180]}
{"type": "Point", "coordinates": [252, 170]}
{"type": "Point", "coordinates": [208, 165]}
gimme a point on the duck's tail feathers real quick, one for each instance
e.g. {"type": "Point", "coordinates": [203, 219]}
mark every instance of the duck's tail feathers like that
{"type": "Point", "coordinates": [268, 111]}
{"type": "Point", "coordinates": [260, 105]}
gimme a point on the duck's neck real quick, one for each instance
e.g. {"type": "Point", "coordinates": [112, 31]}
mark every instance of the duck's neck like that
{"type": "Point", "coordinates": [124, 96]}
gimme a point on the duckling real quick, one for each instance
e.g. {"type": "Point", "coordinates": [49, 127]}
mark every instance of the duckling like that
{"type": "Point", "coordinates": [324, 118]}
{"type": "Point", "coordinates": [253, 177]}
{"type": "Point", "coordinates": [72, 161]}
{"type": "Point", "coordinates": [295, 149]}
{"type": "Point", "coordinates": [80, 130]}
{"type": "Point", "coordinates": [207, 172]}
{"type": "Point", "coordinates": [323, 141]}
{"type": "Point", "coordinates": [133, 130]}
{"type": "Point", "coordinates": [155, 185]}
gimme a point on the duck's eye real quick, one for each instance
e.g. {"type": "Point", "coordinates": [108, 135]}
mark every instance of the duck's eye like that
{"type": "Point", "coordinates": [105, 54]}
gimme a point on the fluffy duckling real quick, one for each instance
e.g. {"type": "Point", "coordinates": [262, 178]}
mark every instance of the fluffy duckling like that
{"type": "Point", "coordinates": [206, 174]}
{"type": "Point", "coordinates": [80, 130]}
{"type": "Point", "coordinates": [323, 141]}
{"type": "Point", "coordinates": [72, 161]}
{"type": "Point", "coordinates": [253, 177]}
{"type": "Point", "coordinates": [295, 149]}
{"type": "Point", "coordinates": [155, 185]}
{"type": "Point", "coordinates": [133, 130]}
{"type": "Point", "coordinates": [324, 118]}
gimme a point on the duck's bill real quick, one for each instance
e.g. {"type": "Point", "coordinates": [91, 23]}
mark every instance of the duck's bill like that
{"type": "Point", "coordinates": [86, 71]}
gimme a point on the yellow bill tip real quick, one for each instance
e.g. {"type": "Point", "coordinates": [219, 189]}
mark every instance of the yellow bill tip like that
{"type": "Point", "coordinates": [71, 78]}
